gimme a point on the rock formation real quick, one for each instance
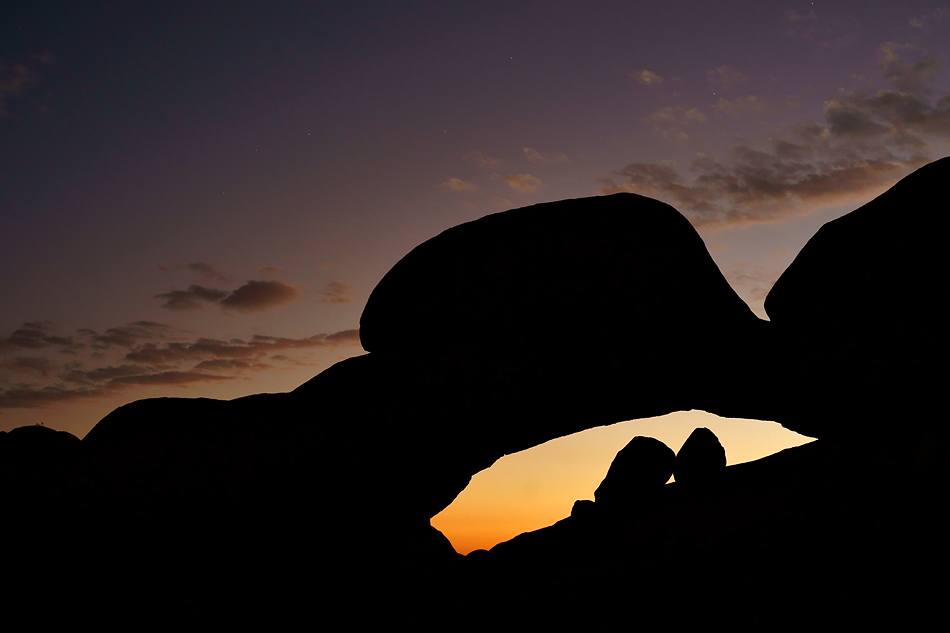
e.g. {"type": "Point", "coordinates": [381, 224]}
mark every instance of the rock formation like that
{"type": "Point", "coordinates": [494, 337]}
{"type": "Point", "coordinates": [640, 468]}
{"type": "Point", "coordinates": [627, 269]}
{"type": "Point", "coordinates": [701, 458]}
{"type": "Point", "coordinates": [851, 316]}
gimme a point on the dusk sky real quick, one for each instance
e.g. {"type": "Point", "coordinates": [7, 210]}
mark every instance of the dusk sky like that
{"type": "Point", "coordinates": [196, 199]}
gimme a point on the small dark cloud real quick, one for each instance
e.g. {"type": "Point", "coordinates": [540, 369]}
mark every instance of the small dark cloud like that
{"type": "Point", "coordinates": [191, 299]}
{"type": "Point", "coordinates": [179, 378]}
{"type": "Point", "coordinates": [257, 296]}
{"type": "Point", "coordinates": [908, 75]}
{"type": "Point", "coordinates": [28, 364]}
{"type": "Point", "coordinates": [129, 335]}
{"type": "Point", "coordinates": [335, 293]}
{"type": "Point", "coordinates": [36, 335]}
{"type": "Point", "coordinates": [270, 270]}
{"type": "Point", "coordinates": [232, 364]}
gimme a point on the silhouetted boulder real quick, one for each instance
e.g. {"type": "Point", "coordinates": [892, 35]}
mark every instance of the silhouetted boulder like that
{"type": "Point", "coordinates": [640, 468]}
{"type": "Point", "coordinates": [630, 268]}
{"type": "Point", "coordinates": [855, 332]}
{"type": "Point", "coordinates": [701, 459]}
{"type": "Point", "coordinates": [35, 447]}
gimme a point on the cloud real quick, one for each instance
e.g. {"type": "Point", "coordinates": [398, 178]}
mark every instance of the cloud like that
{"type": "Point", "coordinates": [179, 378]}
{"type": "Point", "coordinates": [270, 270]}
{"type": "Point", "coordinates": [128, 335]}
{"type": "Point", "coordinates": [768, 186]}
{"type": "Point", "coordinates": [154, 363]}
{"type": "Point", "coordinates": [483, 160]}
{"type": "Point", "coordinates": [791, 16]}
{"type": "Point", "coordinates": [191, 299]}
{"type": "Point", "coordinates": [540, 158]}
{"type": "Point", "coordinates": [905, 75]}
{"type": "Point", "coordinates": [923, 21]}
{"type": "Point", "coordinates": [502, 204]}
{"type": "Point", "coordinates": [834, 32]}
{"type": "Point", "coordinates": [258, 296]}
{"type": "Point", "coordinates": [671, 122]}
{"type": "Point", "coordinates": [524, 183]}
{"type": "Point", "coordinates": [28, 364]}
{"type": "Point", "coordinates": [335, 293]}
{"type": "Point", "coordinates": [173, 353]}
{"type": "Point", "coordinates": [14, 80]}
{"type": "Point", "coordinates": [648, 78]}
{"type": "Point", "coordinates": [741, 107]}
{"type": "Point", "coordinates": [725, 76]}
{"type": "Point", "coordinates": [207, 270]}
{"type": "Point", "coordinates": [232, 364]}
{"type": "Point", "coordinates": [866, 143]}
{"type": "Point", "coordinates": [36, 335]}
{"type": "Point", "coordinates": [457, 185]}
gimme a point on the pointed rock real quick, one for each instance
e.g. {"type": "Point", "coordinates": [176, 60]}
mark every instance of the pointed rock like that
{"type": "Point", "coordinates": [701, 459]}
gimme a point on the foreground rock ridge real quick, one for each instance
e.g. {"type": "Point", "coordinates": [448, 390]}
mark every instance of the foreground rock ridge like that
{"type": "Point", "coordinates": [498, 335]}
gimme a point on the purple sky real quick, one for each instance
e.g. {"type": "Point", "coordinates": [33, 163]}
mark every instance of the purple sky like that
{"type": "Point", "coordinates": [197, 198]}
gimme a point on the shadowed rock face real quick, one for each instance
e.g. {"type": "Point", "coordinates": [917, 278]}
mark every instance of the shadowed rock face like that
{"type": "Point", "coordinates": [880, 268]}
{"type": "Point", "coordinates": [614, 270]}
{"type": "Point", "coordinates": [855, 316]}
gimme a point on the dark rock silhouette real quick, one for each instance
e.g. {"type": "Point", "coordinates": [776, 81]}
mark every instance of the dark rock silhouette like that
{"type": "Point", "coordinates": [492, 338]}
{"type": "Point", "coordinates": [819, 531]}
{"type": "Point", "coordinates": [701, 458]}
{"type": "Point", "coordinates": [631, 269]}
{"type": "Point", "coordinates": [856, 304]}
{"type": "Point", "coordinates": [639, 469]}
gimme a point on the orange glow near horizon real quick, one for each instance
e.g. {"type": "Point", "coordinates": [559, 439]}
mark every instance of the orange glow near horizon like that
{"type": "Point", "coordinates": [536, 488]}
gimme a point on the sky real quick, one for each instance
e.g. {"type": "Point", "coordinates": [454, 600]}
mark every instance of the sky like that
{"type": "Point", "coordinates": [196, 198]}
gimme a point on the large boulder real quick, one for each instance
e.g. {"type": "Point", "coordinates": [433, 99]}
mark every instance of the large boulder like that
{"type": "Point", "coordinates": [854, 337]}
{"type": "Point", "coordinates": [614, 271]}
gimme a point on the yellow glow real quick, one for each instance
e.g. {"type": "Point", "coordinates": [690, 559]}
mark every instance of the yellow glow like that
{"type": "Point", "coordinates": [537, 487]}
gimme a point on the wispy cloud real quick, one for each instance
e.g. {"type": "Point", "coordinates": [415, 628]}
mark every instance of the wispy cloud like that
{"type": "Point", "coordinates": [523, 183]}
{"type": "Point", "coordinates": [725, 76]}
{"type": "Point", "coordinates": [483, 160]}
{"type": "Point", "coordinates": [336, 293]}
{"type": "Point", "coordinates": [207, 270]}
{"type": "Point", "coordinates": [150, 358]}
{"type": "Point", "coordinates": [925, 21]}
{"type": "Point", "coordinates": [646, 77]}
{"type": "Point", "coordinates": [741, 107]}
{"type": "Point", "coordinates": [16, 78]}
{"type": "Point", "coordinates": [866, 143]}
{"type": "Point", "coordinates": [457, 185]}
{"type": "Point", "coordinates": [540, 158]}
{"type": "Point", "coordinates": [671, 122]}
{"type": "Point", "coordinates": [191, 299]}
